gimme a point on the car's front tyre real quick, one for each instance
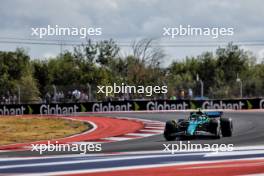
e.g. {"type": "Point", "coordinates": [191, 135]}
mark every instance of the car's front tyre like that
{"type": "Point", "coordinates": [170, 127]}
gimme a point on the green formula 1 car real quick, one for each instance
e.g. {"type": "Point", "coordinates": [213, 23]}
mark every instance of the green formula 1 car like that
{"type": "Point", "coordinates": [199, 124]}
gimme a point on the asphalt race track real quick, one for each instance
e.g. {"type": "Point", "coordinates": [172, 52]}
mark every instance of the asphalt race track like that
{"type": "Point", "coordinates": [145, 156]}
{"type": "Point", "coordinates": [248, 130]}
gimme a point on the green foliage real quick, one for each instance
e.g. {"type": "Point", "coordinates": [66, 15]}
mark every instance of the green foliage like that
{"type": "Point", "coordinates": [107, 51]}
{"type": "Point", "coordinates": [100, 64]}
{"type": "Point", "coordinates": [29, 89]}
{"type": "Point", "coordinates": [15, 73]}
{"type": "Point", "coordinates": [219, 73]}
{"type": "Point", "coordinates": [41, 74]}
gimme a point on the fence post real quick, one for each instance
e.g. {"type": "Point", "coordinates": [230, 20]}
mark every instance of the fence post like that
{"type": "Point", "coordinates": [19, 94]}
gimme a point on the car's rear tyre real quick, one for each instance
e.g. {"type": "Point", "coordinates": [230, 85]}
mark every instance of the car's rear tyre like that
{"type": "Point", "coordinates": [170, 127]}
{"type": "Point", "coordinates": [169, 137]}
{"type": "Point", "coordinates": [227, 127]}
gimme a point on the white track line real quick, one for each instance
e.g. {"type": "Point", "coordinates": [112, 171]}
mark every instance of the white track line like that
{"type": "Point", "coordinates": [152, 127]}
{"type": "Point", "coordinates": [234, 153]}
{"type": "Point", "coordinates": [132, 167]}
{"type": "Point", "coordinates": [117, 138]}
{"type": "Point", "coordinates": [120, 158]}
{"type": "Point", "coordinates": [154, 131]}
{"type": "Point", "coordinates": [85, 143]}
{"type": "Point", "coordinates": [140, 134]}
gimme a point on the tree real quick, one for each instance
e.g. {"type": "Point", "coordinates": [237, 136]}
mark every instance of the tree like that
{"type": "Point", "coordinates": [64, 70]}
{"type": "Point", "coordinates": [86, 53]}
{"type": "Point", "coordinates": [107, 51]}
{"type": "Point", "coordinates": [147, 53]}
{"type": "Point", "coordinates": [41, 74]}
{"type": "Point", "coordinates": [16, 71]}
{"type": "Point", "coordinates": [232, 60]}
{"type": "Point", "coordinates": [29, 90]}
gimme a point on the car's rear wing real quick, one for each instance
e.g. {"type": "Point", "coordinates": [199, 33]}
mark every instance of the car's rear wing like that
{"type": "Point", "coordinates": [210, 113]}
{"type": "Point", "coordinates": [214, 113]}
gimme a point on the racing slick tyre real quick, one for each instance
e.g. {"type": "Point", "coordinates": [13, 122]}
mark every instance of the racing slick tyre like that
{"type": "Point", "coordinates": [227, 127]}
{"type": "Point", "coordinates": [170, 127]}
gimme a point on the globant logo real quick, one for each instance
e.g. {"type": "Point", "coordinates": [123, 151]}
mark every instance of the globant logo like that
{"type": "Point", "coordinates": [12, 111]}
{"type": "Point", "coordinates": [222, 105]}
{"type": "Point", "coordinates": [47, 109]}
{"type": "Point", "coordinates": [165, 106]}
{"type": "Point", "coordinates": [99, 107]}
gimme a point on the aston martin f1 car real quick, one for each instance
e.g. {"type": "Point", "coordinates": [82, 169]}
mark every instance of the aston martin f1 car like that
{"type": "Point", "coordinates": [211, 124]}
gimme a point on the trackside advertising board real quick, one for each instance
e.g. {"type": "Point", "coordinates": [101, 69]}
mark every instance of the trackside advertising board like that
{"type": "Point", "coordinates": [70, 108]}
